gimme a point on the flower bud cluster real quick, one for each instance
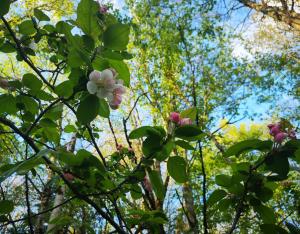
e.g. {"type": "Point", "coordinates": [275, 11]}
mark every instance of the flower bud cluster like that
{"type": "Point", "coordinates": [106, 85]}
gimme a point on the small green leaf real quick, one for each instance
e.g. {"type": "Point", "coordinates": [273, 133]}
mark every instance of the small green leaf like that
{"type": "Point", "coordinates": [64, 89]}
{"type": "Point", "coordinates": [116, 36]}
{"type": "Point", "coordinates": [184, 145]}
{"type": "Point", "coordinates": [151, 145]}
{"type": "Point", "coordinates": [223, 180]}
{"type": "Point", "coordinates": [87, 18]}
{"type": "Point", "coordinates": [32, 82]}
{"type": "Point", "coordinates": [272, 229]}
{"type": "Point", "coordinates": [265, 213]}
{"type": "Point", "coordinates": [189, 113]}
{"type": "Point", "coordinates": [41, 16]}
{"type": "Point", "coordinates": [7, 48]}
{"type": "Point", "coordinates": [104, 110]}
{"type": "Point", "coordinates": [177, 169]}
{"type": "Point", "coordinates": [143, 132]}
{"type": "Point", "coordinates": [216, 196]}
{"type": "Point", "coordinates": [24, 166]}
{"type": "Point", "coordinates": [157, 184]}
{"type": "Point", "coordinates": [248, 145]}
{"type": "Point", "coordinates": [27, 27]}
{"type": "Point", "coordinates": [4, 7]}
{"type": "Point", "coordinates": [6, 206]}
{"type": "Point", "coordinates": [188, 132]}
{"type": "Point", "coordinates": [88, 109]}
{"type": "Point", "coordinates": [122, 70]}
{"type": "Point", "coordinates": [8, 104]}
{"type": "Point", "coordinates": [70, 128]}
{"type": "Point", "coordinates": [278, 163]}
{"type": "Point", "coordinates": [165, 151]}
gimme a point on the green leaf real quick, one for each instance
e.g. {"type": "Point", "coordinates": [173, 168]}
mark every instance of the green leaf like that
{"type": "Point", "coordinates": [248, 145]}
{"type": "Point", "coordinates": [297, 156]}
{"type": "Point", "coordinates": [216, 196]}
{"type": "Point", "coordinates": [188, 132]}
{"type": "Point", "coordinates": [224, 204]}
{"type": "Point", "coordinates": [177, 169]}
{"type": "Point", "coordinates": [88, 109]}
{"type": "Point", "coordinates": [41, 16]}
{"type": "Point", "coordinates": [184, 145]}
{"type": "Point", "coordinates": [6, 206]}
{"type": "Point", "coordinates": [64, 89]}
{"type": "Point", "coordinates": [144, 132]}
{"type": "Point", "coordinates": [4, 7]}
{"type": "Point", "coordinates": [116, 36]}
{"type": "Point", "coordinates": [74, 58]}
{"type": "Point", "coordinates": [151, 145]}
{"type": "Point", "coordinates": [70, 128]}
{"type": "Point", "coordinates": [87, 18]}
{"type": "Point", "coordinates": [27, 27]}
{"type": "Point", "coordinates": [7, 48]}
{"type": "Point", "coordinates": [278, 163]}
{"type": "Point", "coordinates": [104, 110]}
{"type": "Point", "coordinates": [28, 104]}
{"type": "Point", "coordinates": [8, 104]}
{"type": "Point", "coordinates": [272, 229]}
{"type": "Point", "coordinates": [157, 184]}
{"type": "Point", "coordinates": [189, 113]}
{"type": "Point", "coordinates": [122, 70]}
{"type": "Point", "coordinates": [32, 82]}
{"type": "Point", "coordinates": [223, 180]}
{"type": "Point", "coordinates": [24, 166]}
{"type": "Point", "coordinates": [165, 151]}
{"type": "Point", "coordinates": [266, 214]}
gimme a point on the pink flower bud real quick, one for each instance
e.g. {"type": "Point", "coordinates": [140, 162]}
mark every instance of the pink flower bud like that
{"type": "Point", "coordinates": [279, 138]}
{"type": "Point", "coordinates": [103, 9]}
{"type": "Point", "coordinates": [68, 176]}
{"type": "Point", "coordinates": [275, 130]}
{"type": "Point", "coordinates": [119, 147]}
{"type": "Point", "coordinates": [147, 184]}
{"type": "Point", "coordinates": [4, 84]}
{"type": "Point", "coordinates": [175, 117]}
{"type": "Point", "coordinates": [270, 126]}
{"type": "Point", "coordinates": [292, 134]}
{"type": "Point", "coordinates": [185, 121]}
{"type": "Point", "coordinates": [130, 150]}
{"type": "Point", "coordinates": [119, 89]}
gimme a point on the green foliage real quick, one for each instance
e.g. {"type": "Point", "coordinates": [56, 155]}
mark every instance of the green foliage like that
{"type": "Point", "coordinates": [6, 206]}
{"type": "Point", "coordinates": [88, 109]}
{"type": "Point", "coordinates": [87, 18]}
{"type": "Point", "coordinates": [32, 82]}
{"type": "Point", "coordinates": [4, 7]}
{"type": "Point", "coordinates": [157, 184]}
{"type": "Point", "coordinates": [248, 145]}
{"type": "Point", "coordinates": [27, 27]}
{"type": "Point", "coordinates": [40, 15]}
{"type": "Point", "coordinates": [116, 36]}
{"type": "Point", "coordinates": [177, 169]}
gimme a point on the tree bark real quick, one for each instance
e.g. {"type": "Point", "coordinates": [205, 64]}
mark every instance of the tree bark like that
{"type": "Point", "coordinates": [282, 14]}
{"type": "Point", "coordinates": [189, 207]}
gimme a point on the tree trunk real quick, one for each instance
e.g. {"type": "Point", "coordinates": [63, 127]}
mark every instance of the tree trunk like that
{"type": "Point", "coordinates": [189, 207]}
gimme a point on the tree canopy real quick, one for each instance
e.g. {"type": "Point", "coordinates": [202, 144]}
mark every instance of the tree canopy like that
{"type": "Point", "coordinates": [160, 117]}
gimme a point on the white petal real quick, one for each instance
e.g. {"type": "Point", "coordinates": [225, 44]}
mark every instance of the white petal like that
{"type": "Point", "coordinates": [95, 76]}
{"type": "Point", "coordinates": [102, 93]}
{"type": "Point", "coordinates": [110, 97]}
{"type": "Point", "coordinates": [91, 87]}
{"type": "Point", "coordinates": [107, 74]}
